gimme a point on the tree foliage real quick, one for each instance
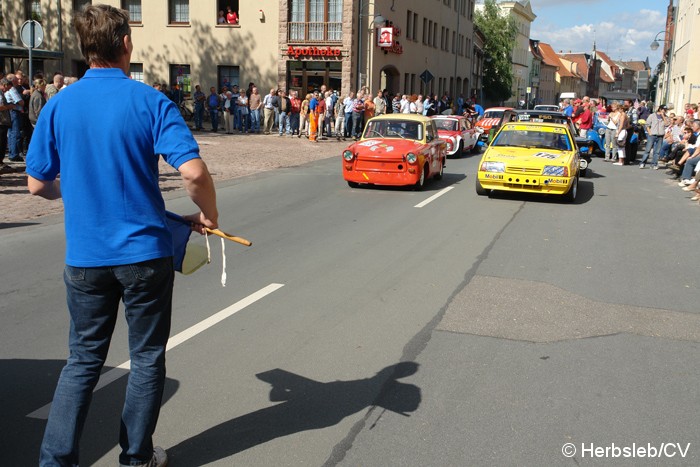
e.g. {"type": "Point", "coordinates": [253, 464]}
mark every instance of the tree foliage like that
{"type": "Point", "coordinates": [500, 32]}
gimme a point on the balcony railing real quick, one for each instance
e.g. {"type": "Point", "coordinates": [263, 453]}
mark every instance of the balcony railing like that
{"type": "Point", "coordinates": [315, 32]}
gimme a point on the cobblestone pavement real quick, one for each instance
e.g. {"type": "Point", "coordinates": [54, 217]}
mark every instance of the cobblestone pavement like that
{"type": "Point", "coordinates": [227, 156]}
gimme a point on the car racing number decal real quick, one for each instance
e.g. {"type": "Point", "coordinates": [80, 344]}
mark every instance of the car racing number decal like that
{"type": "Point", "coordinates": [546, 155]}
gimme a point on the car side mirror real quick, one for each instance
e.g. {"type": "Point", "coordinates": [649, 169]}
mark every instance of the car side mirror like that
{"type": "Point", "coordinates": [429, 138]}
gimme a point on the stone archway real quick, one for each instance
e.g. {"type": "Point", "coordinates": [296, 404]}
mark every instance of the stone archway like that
{"type": "Point", "coordinates": [389, 78]}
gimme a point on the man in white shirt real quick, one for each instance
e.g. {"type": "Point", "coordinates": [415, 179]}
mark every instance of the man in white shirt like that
{"type": "Point", "coordinates": [13, 97]}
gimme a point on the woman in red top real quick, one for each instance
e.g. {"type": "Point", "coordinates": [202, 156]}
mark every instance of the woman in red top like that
{"type": "Point", "coordinates": [585, 120]}
{"type": "Point", "coordinates": [231, 16]}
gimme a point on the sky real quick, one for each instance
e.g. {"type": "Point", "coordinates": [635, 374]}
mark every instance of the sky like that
{"type": "Point", "coordinates": [623, 29]}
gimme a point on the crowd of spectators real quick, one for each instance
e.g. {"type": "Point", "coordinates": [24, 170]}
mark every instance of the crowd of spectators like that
{"type": "Point", "coordinates": [20, 105]}
{"type": "Point", "coordinates": [669, 141]}
{"type": "Point", "coordinates": [317, 115]}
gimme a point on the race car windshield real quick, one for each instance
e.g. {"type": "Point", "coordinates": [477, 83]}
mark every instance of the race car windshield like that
{"type": "Point", "coordinates": [402, 129]}
{"type": "Point", "coordinates": [493, 114]}
{"type": "Point", "coordinates": [533, 139]}
{"type": "Point", "coordinates": [447, 125]}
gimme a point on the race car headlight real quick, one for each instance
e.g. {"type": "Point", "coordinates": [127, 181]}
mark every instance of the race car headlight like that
{"type": "Point", "coordinates": [411, 158]}
{"type": "Point", "coordinates": [555, 170]}
{"type": "Point", "coordinates": [450, 144]}
{"type": "Point", "coordinates": [601, 131]}
{"type": "Point", "coordinates": [348, 155]}
{"type": "Point", "coordinates": [487, 166]}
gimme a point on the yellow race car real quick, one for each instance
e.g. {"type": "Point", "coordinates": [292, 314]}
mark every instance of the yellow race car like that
{"type": "Point", "coordinates": [531, 158]}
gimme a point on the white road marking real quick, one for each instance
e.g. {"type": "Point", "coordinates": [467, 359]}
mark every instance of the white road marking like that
{"type": "Point", "coordinates": [434, 197]}
{"type": "Point", "coordinates": [123, 369]}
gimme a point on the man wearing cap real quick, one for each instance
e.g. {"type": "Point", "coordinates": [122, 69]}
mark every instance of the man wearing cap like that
{"type": "Point", "coordinates": [656, 127]}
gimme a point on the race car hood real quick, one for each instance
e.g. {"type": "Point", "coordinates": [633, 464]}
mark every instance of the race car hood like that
{"type": "Point", "coordinates": [394, 147]}
{"type": "Point", "coordinates": [528, 157]}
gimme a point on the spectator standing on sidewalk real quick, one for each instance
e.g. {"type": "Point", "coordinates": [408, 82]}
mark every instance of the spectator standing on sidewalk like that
{"type": "Point", "coordinates": [285, 108]}
{"type": "Point", "coordinates": [199, 99]}
{"type": "Point", "coordinates": [243, 113]}
{"type": "Point", "coordinates": [379, 104]}
{"type": "Point", "coordinates": [294, 114]}
{"type": "Point", "coordinates": [213, 104]}
{"type": "Point", "coordinates": [5, 123]}
{"type": "Point", "coordinates": [304, 116]}
{"type": "Point", "coordinates": [656, 124]}
{"type": "Point", "coordinates": [117, 168]}
{"type": "Point", "coordinates": [254, 105]}
{"type": "Point", "coordinates": [358, 111]}
{"type": "Point", "coordinates": [269, 109]}
{"type": "Point", "coordinates": [53, 88]}
{"type": "Point", "coordinates": [14, 98]}
{"type": "Point", "coordinates": [313, 117]}
{"type": "Point", "coordinates": [348, 104]}
{"type": "Point", "coordinates": [37, 101]}
{"type": "Point", "coordinates": [339, 111]}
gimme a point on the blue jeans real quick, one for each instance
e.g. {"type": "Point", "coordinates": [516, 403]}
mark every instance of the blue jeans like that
{"type": "Point", "coordinates": [14, 135]}
{"type": "Point", "coordinates": [653, 144]}
{"type": "Point", "coordinates": [356, 124]}
{"type": "Point", "coordinates": [255, 120]}
{"type": "Point", "coordinates": [283, 123]}
{"type": "Point", "coordinates": [348, 124]}
{"type": "Point", "coordinates": [93, 296]}
{"type": "Point", "coordinates": [689, 168]}
{"type": "Point", "coordinates": [214, 116]}
{"type": "Point", "coordinates": [294, 122]}
{"type": "Point", "coordinates": [198, 117]}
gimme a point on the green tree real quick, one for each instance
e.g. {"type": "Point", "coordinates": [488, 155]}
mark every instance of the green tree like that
{"type": "Point", "coordinates": [500, 32]}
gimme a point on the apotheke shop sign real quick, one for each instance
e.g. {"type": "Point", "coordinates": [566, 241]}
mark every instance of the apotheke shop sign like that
{"type": "Point", "coordinates": [297, 52]}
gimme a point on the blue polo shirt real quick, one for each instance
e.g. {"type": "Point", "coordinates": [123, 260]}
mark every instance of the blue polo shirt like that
{"type": "Point", "coordinates": [104, 135]}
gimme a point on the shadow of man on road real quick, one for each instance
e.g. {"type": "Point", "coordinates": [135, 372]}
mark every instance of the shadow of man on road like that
{"type": "Point", "coordinates": [30, 384]}
{"type": "Point", "coordinates": [306, 405]}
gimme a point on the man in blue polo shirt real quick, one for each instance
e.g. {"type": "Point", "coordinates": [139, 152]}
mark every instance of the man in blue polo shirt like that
{"type": "Point", "coordinates": [118, 245]}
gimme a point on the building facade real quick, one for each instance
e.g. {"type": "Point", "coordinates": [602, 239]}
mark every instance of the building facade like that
{"type": "Point", "coordinates": [292, 44]}
{"type": "Point", "coordinates": [522, 13]}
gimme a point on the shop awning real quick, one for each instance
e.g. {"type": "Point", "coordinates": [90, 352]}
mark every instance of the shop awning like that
{"type": "Point", "coordinates": [15, 51]}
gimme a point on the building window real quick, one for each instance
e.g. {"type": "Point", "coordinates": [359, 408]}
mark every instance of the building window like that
{"type": "Point", "coordinates": [435, 35]}
{"type": "Point", "coordinates": [425, 30]}
{"type": "Point", "coordinates": [180, 74]}
{"type": "Point", "coordinates": [454, 42]}
{"type": "Point", "coordinates": [316, 21]}
{"type": "Point", "coordinates": [223, 6]}
{"type": "Point", "coordinates": [35, 10]}
{"type": "Point", "coordinates": [229, 76]}
{"type": "Point", "coordinates": [134, 9]}
{"type": "Point", "coordinates": [78, 5]}
{"type": "Point", "coordinates": [136, 72]}
{"type": "Point", "coordinates": [415, 26]}
{"type": "Point", "coordinates": [179, 11]}
{"type": "Point", "coordinates": [409, 17]}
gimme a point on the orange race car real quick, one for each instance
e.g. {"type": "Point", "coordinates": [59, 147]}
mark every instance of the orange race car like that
{"type": "Point", "coordinates": [396, 149]}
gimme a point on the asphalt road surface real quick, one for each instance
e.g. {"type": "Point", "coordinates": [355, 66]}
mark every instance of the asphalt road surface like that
{"type": "Point", "coordinates": [389, 327]}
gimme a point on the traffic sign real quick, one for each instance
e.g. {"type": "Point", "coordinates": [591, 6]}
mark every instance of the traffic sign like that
{"type": "Point", "coordinates": [426, 76]}
{"type": "Point", "coordinates": [32, 34]}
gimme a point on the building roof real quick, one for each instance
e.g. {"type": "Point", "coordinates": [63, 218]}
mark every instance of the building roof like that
{"type": "Point", "coordinates": [604, 57]}
{"type": "Point", "coordinates": [535, 49]}
{"type": "Point", "coordinates": [550, 57]}
{"type": "Point", "coordinates": [581, 69]}
{"type": "Point", "coordinates": [636, 65]}
{"type": "Point", "coordinates": [605, 77]}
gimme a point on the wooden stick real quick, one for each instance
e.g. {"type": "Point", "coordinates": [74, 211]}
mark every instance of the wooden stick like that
{"type": "Point", "coordinates": [228, 236]}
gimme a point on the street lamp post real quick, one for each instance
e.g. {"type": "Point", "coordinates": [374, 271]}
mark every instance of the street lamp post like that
{"type": "Point", "coordinates": [655, 46]}
{"type": "Point", "coordinates": [378, 18]}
